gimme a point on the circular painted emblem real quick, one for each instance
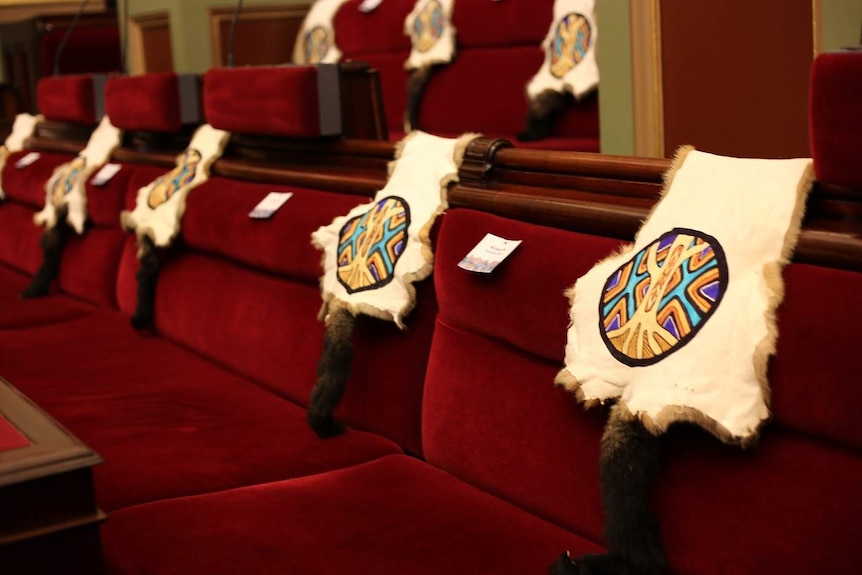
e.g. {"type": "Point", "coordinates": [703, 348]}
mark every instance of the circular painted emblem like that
{"type": "Point", "coordinates": [178, 178]}
{"type": "Point", "coordinates": [428, 26]}
{"type": "Point", "coordinates": [370, 245]}
{"type": "Point", "coordinates": [64, 184]}
{"type": "Point", "coordinates": [570, 44]}
{"type": "Point", "coordinates": [655, 303]}
{"type": "Point", "coordinates": [316, 44]}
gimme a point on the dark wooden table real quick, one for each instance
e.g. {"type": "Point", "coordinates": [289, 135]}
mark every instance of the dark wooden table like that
{"type": "Point", "coordinates": [49, 521]}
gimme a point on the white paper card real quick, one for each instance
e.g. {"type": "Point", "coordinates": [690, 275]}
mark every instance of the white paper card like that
{"type": "Point", "coordinates": [27, 160]}
{"type": "Point", "coordinates": [104, 175]}
{"type": "Point", "coordinates": [369, 5]}
{"type": "Point", "coordinates": [488, 254]}
{"type": "Point", "coordinates": [269, 205]}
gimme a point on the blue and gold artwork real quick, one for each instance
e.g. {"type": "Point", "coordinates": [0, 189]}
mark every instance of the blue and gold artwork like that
{"type": "Point", "coordinates": [570, 44]}
{"type": "Point", "coordinates": [657, 302]}
{"type": "Point", "coordinates": [428, 26]}
{"type": "Point", "coordinates": [64, 184]}
{"type": "Point", "coordinates": [370, 245]}
{"type": "Point", "coordinates": [181, 176]}
{"type": "Point", "coordinates": [316, 44]}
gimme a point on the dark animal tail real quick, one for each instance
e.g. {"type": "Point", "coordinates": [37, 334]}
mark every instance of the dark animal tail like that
{"type": "Point", "coordinates": [52, 243]}
{"type": "Point", "coordinates": [542, 114]}
{"type": "Point", "coordinates": [416, 83]}
{"type": "Point", "coordinates": [147, 276]}
{"type": "Point", "coordinates": [629, 467]}
{"type": "Point", "coordinates": [333, 370]}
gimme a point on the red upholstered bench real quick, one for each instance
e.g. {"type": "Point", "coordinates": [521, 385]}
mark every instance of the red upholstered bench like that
{"type": "Point", "coordinates": [484, 88]}
{"type": "Point", "coordinates": [211, 469]}
{"type": "Point", "coordinates": [69, 100]}
{"type": "Point", "coordinates": [211, 401]}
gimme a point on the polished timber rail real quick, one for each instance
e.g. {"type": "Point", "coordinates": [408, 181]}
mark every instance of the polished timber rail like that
{"type": "Point", "coordinates": [612, 195]}
{"type": "Point", "coordinates": [590, 193]}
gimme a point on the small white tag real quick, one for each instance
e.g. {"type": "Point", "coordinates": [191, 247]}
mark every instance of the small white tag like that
{"type": "Point", "coordinates": [104, 175]}
{"type": "Point", "coordinates": [269, 205]}
{"type": "Point", "coordinates": [369, 5]}
{"type": "Point", "coordinates": [488, 254]}
{"type": "Point", "coordinates": [27, 160]}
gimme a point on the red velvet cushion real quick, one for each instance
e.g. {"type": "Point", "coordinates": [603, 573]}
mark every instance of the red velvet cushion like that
{"type": "Point", "coordinates": [216, 221]}
{"type": "Point", "coordinates": [392, 516]}
{"type": "Point", "coordinates": [378, 31]}
{"type": "Point", "coordinates": [809, 375]}
{"type": "Point", "coordinates": [17, 313]}
{"type": "Point", "coordinates": [489, 23]}
{"type": "Point", "coordinates": [277, 101]}
{"type": "Point", "coordinates": [19, 237]}
{"type": "Point", "coordinates": [167, 422]}
{"type": "Point", "coordinates": [522, 302]}
{"type": "Point", "coordinates": [67, 99]}
{"type": "Point", "coordinates": [127, 283]}
{"type": "Point", "coordinates": [264, 327]}
{"type": "Point", "coordinates": [89, 266]}
{"type": "Point", "coordinates": [836, 118]}
{"type": "Point", "coordinates": [150, 102]}
{"type": "Point", "coordinates": [446, 110]}
{"type": "Point", "coordinates": [27, 185]}
{"type": "Point", "coordinates": [104, 203]}
{"type": "Point", "coordinates": [493, 417]}
{"type": "Point", "coordinates": [89, 49]}
{"type": "Point", "coordinates": [786, 506]}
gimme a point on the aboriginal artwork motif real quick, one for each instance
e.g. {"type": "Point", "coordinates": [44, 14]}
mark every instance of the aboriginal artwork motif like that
{"type": "Point", "coordinates": [178, 178]}
{"type": "Point", "coordinates": [428, 26]}
{"type": "Point", "coordinates": [570, 44]}
{"type": "Point", "coordinates": [316, 44]}
{"type": "Point", "coordinates": [656, 303]}
{"type": "Point", "coordinates": [370, 245]}
{"type": "Point", "coordinates": [65, 183]}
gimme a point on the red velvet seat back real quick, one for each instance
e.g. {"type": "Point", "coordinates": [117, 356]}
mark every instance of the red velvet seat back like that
{"type": "Point", "coordinates": [378, 38]}
{"type": "Point", "coordinates": [493, 417]}
{"type": "Point", "coordinates": [836, 117]}
{"type": "Point", "coordinates": [484, 88]}
{"type": "Point", "coordinates": [245, 294]}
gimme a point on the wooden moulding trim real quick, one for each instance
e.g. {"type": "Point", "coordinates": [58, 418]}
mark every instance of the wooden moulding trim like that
{"type": "Point", "coordinates": [479, 158]}
{"type": "Point", "coordinates": [335, 179]}
{"type": "Point", "coordinates": [824, 240]}
{"type": "Point", "coordinates": [220, 14]}
{"type": "Point", "coordinates": [41, 144]}
{"type": "Point", "coordinates": [583, 163]}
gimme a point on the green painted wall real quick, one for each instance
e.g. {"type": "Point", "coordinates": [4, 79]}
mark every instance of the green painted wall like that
{"type": "Point", "coordinates": [616, 113]}
{"type": "Point", "coordinates": [840, 23]}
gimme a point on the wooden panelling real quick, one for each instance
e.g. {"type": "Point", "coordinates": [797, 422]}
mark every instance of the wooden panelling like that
{"type": "Point", "coordinates": [264, 34]}
{"type": "Point", "coordinates": [736, 76]}
{"type": "Point", "coordinates": [150, 48]}
{"type": "Point", "coordinates": [23, 9]}
{"type": "Point", "coordinates": [647, 79]}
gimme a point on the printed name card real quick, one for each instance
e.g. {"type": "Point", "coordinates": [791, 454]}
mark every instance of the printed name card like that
{"type": "Point", "coordinates": [369, 5]}
{"type": "Point", "coordinates": [488, 254]}
{"type": "Point", "coordinates": [269, 205]}
{"type": "Point", "coordinates": [27, 160]}
{"type": "Point", "coordinates": [104, 175]}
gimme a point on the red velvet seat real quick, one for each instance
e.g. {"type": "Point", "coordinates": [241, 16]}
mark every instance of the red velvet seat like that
{"type": "Point", "coordinates": [167, 422]}
{"type": "Point", "coordinates": [17, 313]}
{"type": "Point", "coordinates": [392, 516]}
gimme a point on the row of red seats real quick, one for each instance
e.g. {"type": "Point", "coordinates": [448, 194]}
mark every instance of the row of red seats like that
{"type": "Point", "coordinates": [461, 456]}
